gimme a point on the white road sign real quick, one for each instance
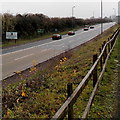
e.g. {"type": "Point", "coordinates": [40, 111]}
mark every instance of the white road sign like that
{"type": "Point", "coordinates": [11, 35]}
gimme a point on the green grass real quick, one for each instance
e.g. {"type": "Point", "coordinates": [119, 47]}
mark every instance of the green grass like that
{"type": "Point", "coordinates": [105, 102]}
{"type": "Point", "coordinates": [46, 91]}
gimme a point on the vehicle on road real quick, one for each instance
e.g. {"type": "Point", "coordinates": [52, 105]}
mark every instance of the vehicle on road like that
{"type": "Point", "coordinates": [71, 33]}
{"type": "Point", "coordinates": [91, 27]}
{"type": "Point", "coordinates": [56, 36]}
{"type": "Point", "coordinates": [86, 29]}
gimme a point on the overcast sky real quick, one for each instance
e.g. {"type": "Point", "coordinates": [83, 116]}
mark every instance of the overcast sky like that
{"type": "Point", "coordinates": [61, 8]}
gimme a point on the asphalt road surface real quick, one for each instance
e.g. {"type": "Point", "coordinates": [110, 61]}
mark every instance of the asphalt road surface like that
{"type": "Point", "coordinates": [20, 58]}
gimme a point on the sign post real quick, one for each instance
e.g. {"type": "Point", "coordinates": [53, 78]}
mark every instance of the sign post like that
{"type": "Point", "coordinates": [11, 36]}
{"type": "Point", "coordinates": [40, 31]}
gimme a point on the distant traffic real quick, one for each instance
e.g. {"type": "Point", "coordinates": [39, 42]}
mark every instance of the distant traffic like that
{"type": "Point", "coordinates": [58, 36]}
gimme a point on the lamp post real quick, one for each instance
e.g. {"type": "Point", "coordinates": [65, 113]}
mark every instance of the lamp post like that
{"type": "Point", "coordinates": [114, 16]}
{"type": "Point", "coordinates": [72, 14]}
{"type": "Point", "coordinates": [114, 11]}
{"type": "Point", "coordinates": [93, 14]}
{"type": "Point", "coordinates": [101, 17]}
{"type": "Point", "coordinates": [119, 12]}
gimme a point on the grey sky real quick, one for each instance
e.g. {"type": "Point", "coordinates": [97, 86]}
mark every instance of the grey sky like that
{"type": "Point", "coordinates": [56, 8]}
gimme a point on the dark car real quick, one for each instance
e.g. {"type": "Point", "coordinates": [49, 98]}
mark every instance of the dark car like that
{"type": "Point", "coordinates": [56, 36]}
{"type": "Point", "coordinates": [86, 29]}
{"type": "Point", "coordinates": [91, 27]}
{"type": "Point", "coordinates": [71, 33]}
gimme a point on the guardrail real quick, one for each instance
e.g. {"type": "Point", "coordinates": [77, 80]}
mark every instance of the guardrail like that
{"type": "Point", "coordinates": [101, 60]}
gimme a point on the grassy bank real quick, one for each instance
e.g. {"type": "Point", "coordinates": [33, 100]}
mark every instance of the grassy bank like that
{"type": "Point", "coordinates": [105, 102]}
{"type": "Point", "coordinates": [41, 95]}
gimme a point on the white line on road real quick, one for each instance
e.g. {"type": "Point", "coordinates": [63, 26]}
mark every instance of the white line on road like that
{"type": "Point", "coordinates": [37, 46]}
{"type": "Point", "coordinates": [32, 54]}
{"type": "Point", "coordinates": [23, 57]}
{"type": "Point", "coordinates": [46, 50]}
{"type": "Point", "coordinates": [71, 41]}
{"type": "Point", "coordinates": [41, 44]}
{"type": "Point", "coordinates": [59, 45]}
{"type": "Point", "coordinates": [29, 48]}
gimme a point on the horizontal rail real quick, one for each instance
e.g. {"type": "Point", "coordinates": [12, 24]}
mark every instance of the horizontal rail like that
{"type": "Point", "coordinates": [96, 86]}
{"type": "Point", "coordinates": [72, 99]}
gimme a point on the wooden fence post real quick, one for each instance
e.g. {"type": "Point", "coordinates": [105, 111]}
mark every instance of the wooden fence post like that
{"type": "Point", "coordinates": [104, 53]}
{"type": "Point", "coordinates": [95, 71]}
{"type": "Point", "coordinates": [112, 42]}
{"type": "Point", "coordinates": [101, 67]}
{"type": "Point", "coordinates": [102, 45]}
{"type": "Point", "coordinates": [108, 46]}
{"type": "Point", "coordinates": [70, 107]}
{"type": "Point", "coordinates": [105, 50]}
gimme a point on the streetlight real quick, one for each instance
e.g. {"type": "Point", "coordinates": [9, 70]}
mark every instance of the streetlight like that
{"type": "Point", "coordinates": [72, 14]}
{"type": "Point", "coordinates": [93, 14]}
{"type": "Point", "coordinates": [114, 16]}
{"type": "Point", "coordinates": [114, 11]}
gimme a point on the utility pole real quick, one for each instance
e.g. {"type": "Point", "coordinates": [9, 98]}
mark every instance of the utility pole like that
{"type": "Point", "coordinates": [72, 14]}
{"type": "Point", "coordinates": [114, 15]}
{"type": "Point", "coordinates": [93, 14]}
{"type": "Point", "coordinates": [119, 12]}
{"type": "Point", "coordinates": [101, 17]}
{"type": "Point", "coordinates": [114, 11]}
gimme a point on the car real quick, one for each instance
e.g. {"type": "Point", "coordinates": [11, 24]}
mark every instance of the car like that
{"type": "Point", "coordinates": [86, 29]}
{"type": "Point", "coordinates": [91, 27]}
{"type": "Point", "coordinates": [71, 33]}
{"type": "Point", "coordinates": [56, 36]}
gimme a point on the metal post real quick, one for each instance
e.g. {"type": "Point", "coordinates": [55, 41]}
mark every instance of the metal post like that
{"type": "Point", "coordinates": [72, 14]}
{"type": "Point", "coordinates": [114, 11]}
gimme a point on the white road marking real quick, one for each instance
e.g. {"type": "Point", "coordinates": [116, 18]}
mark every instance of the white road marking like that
{"type": "Point", "coordinates": [71, 41]}
{"type": "Point", "coordinates": [23, 57]}
{"type": "Point", "coordinates": [45, 50]}
{"type": "Point", "coordinates": [79, 33]}
{"type": "Point", "coordinates": [59, 45]}
{"type": "Point", "coordinates": [28, 48]}
{"type": "Point", "coordinates": [32, 54]}
{"type": "Point", "coordinates": [40, 45]}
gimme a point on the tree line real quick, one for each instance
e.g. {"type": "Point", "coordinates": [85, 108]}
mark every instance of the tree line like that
{"type": "Point", "coordinates": [27, 25]}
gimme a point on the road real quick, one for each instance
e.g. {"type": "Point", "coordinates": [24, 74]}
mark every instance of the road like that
{"type": "Point", "coordinates": [21, 57]}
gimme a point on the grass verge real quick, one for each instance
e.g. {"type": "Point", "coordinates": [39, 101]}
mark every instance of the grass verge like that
{"type": "Point", "coordinates": [42, 94]}
{"type": "Point", "coordinates": [106, 103]}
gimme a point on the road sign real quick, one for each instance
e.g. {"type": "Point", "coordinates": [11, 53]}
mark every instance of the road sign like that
{"type": "Point", "coordinates": [11, 35]}
{"type": "Point", "coordinates": [40, 30]}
